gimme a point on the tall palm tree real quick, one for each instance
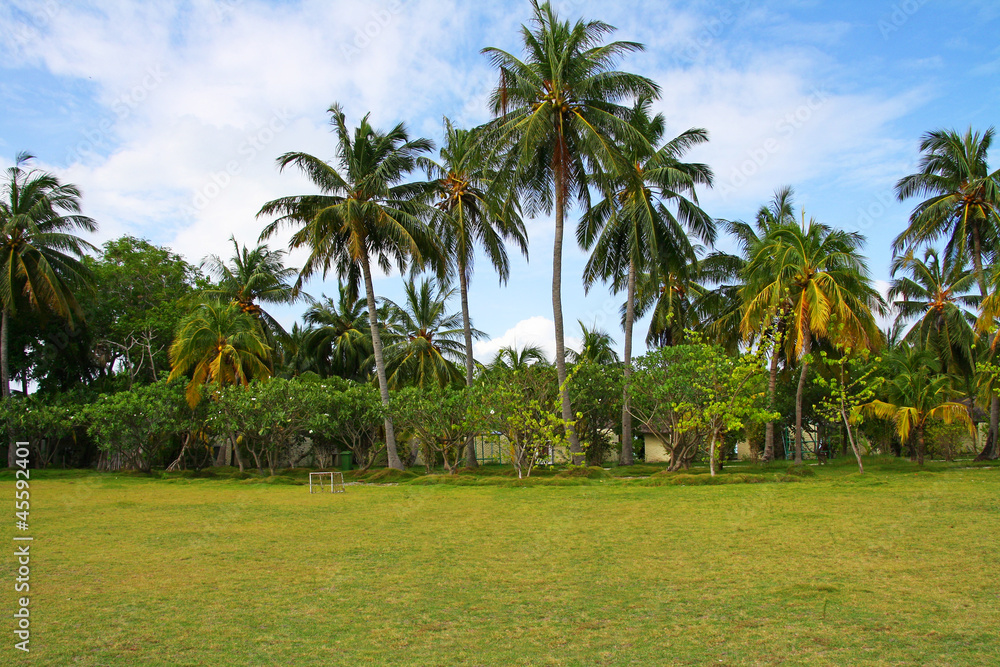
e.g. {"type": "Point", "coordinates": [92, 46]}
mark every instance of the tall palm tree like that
{"type": "Point", "coordinates": [822, 277]}
{"type": "Point", "coordinates": [917, 392]}
{"type": "Point", "coordinates": [428, 338]}
{"type": "Point", "coordinates": [936, 299]}
{"type": "Point", "coordinates": [963, 197]}
{"type": "Point", "coordinates": [558, 119]}
{"type": "Point", "coordinates": [751, 239]}
{"type": "Point", "coordinates": [253, 276]}
{"type": "Point", "coordinates": [365, 212]}
{"type": "Point", "coordinates": [220, 344]}
{"type": "Point", "coordinates": [40, 256]}
{"type": "Point", "coordinates": [513, 358]}
{"type": "Point", "coordinates": [633, 229]}
{"type": "Point", "coordinates": [340, 338]}
{"type": "Point", "coordinates": [596, 347]}
{"type": "Point", "coordinates": [477, 212]}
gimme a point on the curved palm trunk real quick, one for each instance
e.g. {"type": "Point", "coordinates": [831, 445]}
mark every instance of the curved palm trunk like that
{"type": "Point", "coordinates": [799, 394]}
{"type": "Point", "coordinates": [991, 450]}
{"type": "Point", "coordinates": [921, 445]}
{"type": "Point", "coordinates": [383, 386]}
{"type": "Point", "coordinates": [627, 458]}
{"type": "Point", "coordinates": [576, 451]}
{"type": "Point", "coordinates": [470, 365]}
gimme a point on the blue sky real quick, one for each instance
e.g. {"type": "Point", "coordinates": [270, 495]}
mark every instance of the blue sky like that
{"type": "Point", "coordinates": [169, 115]}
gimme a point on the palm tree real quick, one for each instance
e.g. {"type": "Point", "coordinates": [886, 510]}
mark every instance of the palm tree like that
{"type": "Point", "coordinates": [40, 259]}
{"type": "Point", "coordinates": [777, 213]}
{"type": "Point", "coordinates": [252, 277]}
{"type": "Point", "coordinates": [596, 347]}
{"type": "Point", "coordinates": [428, 338]}
{"type": "Point", "coordinates": [917, 392]}
{"type": "Point", "coordinates": [515, 359]}
{"type": "Point", "coordinates": [936, 299]}
{"type": "Point", "coordinates": [819, 276]}
{"type": "Point", "coordinates": [963, 198]}
{"type": "Point", "coordinates": [633, 230]}
{"type": "Point", "coordinates": [220, 344]}
{"type": "Point", "coordinates": [558, 119]}
{"type": "Point", "coordinates": [340, 337]}
{"type": "Point", "coordinates": [365, 212]}
{"type": "Point", "coordinates": [476, 212]}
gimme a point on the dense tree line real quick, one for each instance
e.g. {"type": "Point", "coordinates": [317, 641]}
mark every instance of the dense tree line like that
{"type": "Point", "coordinates": [141, 359]}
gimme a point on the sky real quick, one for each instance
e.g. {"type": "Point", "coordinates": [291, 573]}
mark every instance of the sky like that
{"type": "Point", "coordinates": [170, 115]}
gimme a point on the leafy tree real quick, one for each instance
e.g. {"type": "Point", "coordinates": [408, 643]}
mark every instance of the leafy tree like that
{"type": "Point", "coordinates": [268, 417]}
{"type": "Point", "coordinates": [852, 383]}
{"type": "Point", "coordinates": [916, 394]}
{"type": "Point", "coordinates": [365, 212]}
{"type": "Point", "coordinates": [221, 345]}
{"type": "Point", "coordinates": [142, 295]}
{"type": "Point", "coordinates": [595, 388]}
{"type": "Point", "coordinates": [558, 118]}
{"type": "Point", "coordinates": [522, 407]}
{"type": "Point", "coordinates": [349, 417]}
{"type": "Point", "coordinates": [133, 428]}
{"type": "Point", "coordinates": [633, 230]}
{"type": "Point", "coordinates": [43, 421]}
{"type": "Point", "coordinates": [441, 418]}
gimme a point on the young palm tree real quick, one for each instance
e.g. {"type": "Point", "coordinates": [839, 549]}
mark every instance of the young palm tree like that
{"type": "Point", "coordinates": [819, 275]}
{"type": "Point", "coordinates": [429, 339]}
{"type": "Point", "coordinates": [220, 344]}
{"type": "Point", "coordinates": [558, 119]}
{"type": "Point", "coordinates": [340, 338]}
{"type": "Point", "coordinates": [515, 359]}
{"type": "Point", "coordinates": [596, 347]}
{"type": "Point", "coordinates": [917, 392]}
{"type": "Point", "coordinates": [634, 230]}
{"type": "Point", "coordinates": [365, 212]}
{"type": "Point", "coordinates": [252, 277]}
{"type": "Point", "coordinates": [936, 299]}
{"type": "Point", "coordinates": [963, 198]}
{"type": "Point", "coordinates": [777, 213]}
{"type": "Point", "coordinates": [40, 256]}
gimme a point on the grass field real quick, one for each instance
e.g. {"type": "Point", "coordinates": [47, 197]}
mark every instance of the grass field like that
{"type": "Point", "coordinates": [898, 567]}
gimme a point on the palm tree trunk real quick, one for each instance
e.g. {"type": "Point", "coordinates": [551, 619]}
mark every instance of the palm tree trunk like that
{"type": "Point", "coordinates": [5, 354]}
{"type": "Point", "coordinates": [991, 449]}
{"type": "Point", "coordinates": [627, 458]}
{"type": "Point", "coordinates": [920, 444]}
{"type": "Point", "coordinates": [383, 385]}
{"type": "Point", "coordinates": [470, 364]}
{"type": "Point", "coordinates": [772, 386]}
{"type": "Point", "coordinates": [576, 451]}
{"type": "Point", "coordinates": [800, 392]}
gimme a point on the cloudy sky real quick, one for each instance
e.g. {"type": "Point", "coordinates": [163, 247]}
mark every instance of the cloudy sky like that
{"type": "Point", "coordinates": [169, 115]}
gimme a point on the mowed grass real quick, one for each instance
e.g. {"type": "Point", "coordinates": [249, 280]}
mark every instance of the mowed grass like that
{"type": "Point", "coordinates": [899, 567]}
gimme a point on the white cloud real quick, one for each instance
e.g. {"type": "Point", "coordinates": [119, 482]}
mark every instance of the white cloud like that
{"type": "Point", "coordinates": [535, 330]}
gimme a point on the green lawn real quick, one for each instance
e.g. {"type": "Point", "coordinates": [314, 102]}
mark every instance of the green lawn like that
{"type": "Point", "coordinates": [898, 567]}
